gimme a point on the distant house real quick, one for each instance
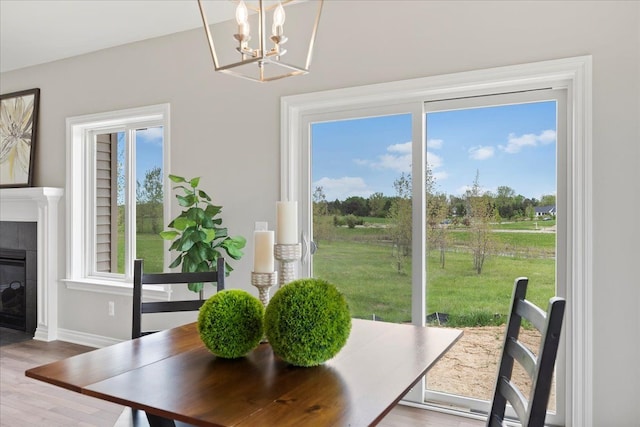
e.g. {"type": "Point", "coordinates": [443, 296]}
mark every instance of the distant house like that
{"type": "Point", "coordinates": [545, 210]}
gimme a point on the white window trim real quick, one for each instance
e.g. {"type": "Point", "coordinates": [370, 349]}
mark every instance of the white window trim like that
{"type": "Point", "coordinates": [79, 273]}
{"type": "Point", "coordinates": [574, 74]}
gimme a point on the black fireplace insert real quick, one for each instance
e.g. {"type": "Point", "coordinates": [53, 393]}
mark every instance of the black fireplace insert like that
{"type": "Point", "coordinates": [13, 302]}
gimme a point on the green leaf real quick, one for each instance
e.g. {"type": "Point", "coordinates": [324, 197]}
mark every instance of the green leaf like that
{"type": "Point", "coordinates": [174, 246]}
{"type": "Point", "coordinates": [221, 232]}
{"type": "Point", "coordinates": [195, 287]}
{"type": "Point", "coordinates": [209, 235]}
{"type": "Point", "coordinates": [176, 178]}
{"type": "Point", "coordinates": [186, 201]}
{"type": "Point", "coordinates": [234, 253]}
{"type": "Point", "coordinates": [191, 213]}
{"type": "Point", "coordinates": [169, 235]}
{"type": "Point", "coordinates": [195, 257]}
{"type": "Point", "coordinates": [194, 182]}
{"type": "Point", "coordinates": [212, 255]}
{"type": "Point", "coordinates": [183, 223]}
{"type": "Point", "coordinates": [176, 262]}
{"type": "Point", "coordinates": [227, 268]}
{"type": "Point", "coordinates": [204, 195]}
{"type": "Point", "coordinates": [212, 210]}
{"type": "Point", "coordinates": [200, 215]}
{"type": "Point", "coordinates": [187, 265]}
{"type": "Point", "coordinates": [234, 246]}
{"type": "Point", "coordinates": [207, 223]}
{"type": "Point", "coordinates": [203, 267]}
{"type": "Point", "coordinates": [185, 245]}
{"type": "Point", "coordinates": [239, 241]}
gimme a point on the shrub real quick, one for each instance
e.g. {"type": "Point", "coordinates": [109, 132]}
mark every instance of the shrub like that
{"type": "Point", "coordinates": [307, 322]}
{"type": "Point", "coordinates": [353, 220]}
{"type": "Point", "coordinates": [230, 323]}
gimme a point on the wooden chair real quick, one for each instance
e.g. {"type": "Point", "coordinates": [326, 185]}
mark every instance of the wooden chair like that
{"type": "Point", "coordinates": [132, 417]}
{"type": "Point", "coordinates": [140, 278]}
{"type": "Point", "coordinates": [531, 412]}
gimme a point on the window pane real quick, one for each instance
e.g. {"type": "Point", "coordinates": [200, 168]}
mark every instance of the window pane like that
{"type": "Point", "coordinates": [361, 173]}
{"type": "Point", "coordinates": [113, 177]}
{"type": "Point", "coordinates": [149, 197]}
{"type": "Point", "coordinates": [491, 217]}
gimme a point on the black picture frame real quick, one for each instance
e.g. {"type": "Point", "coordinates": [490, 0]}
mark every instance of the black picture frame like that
{"type": "Point", "coordinates": [18, 131]}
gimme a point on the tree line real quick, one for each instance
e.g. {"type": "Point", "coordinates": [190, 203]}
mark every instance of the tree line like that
{"type": "Point", "coordinates": [475, 210]}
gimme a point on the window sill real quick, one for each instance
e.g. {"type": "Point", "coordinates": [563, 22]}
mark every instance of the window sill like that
{"type": "Point", "coordinates": [101, 286]}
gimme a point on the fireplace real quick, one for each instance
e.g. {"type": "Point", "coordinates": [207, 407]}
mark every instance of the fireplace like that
{"type": "Point", "coordinates": [29, 224]}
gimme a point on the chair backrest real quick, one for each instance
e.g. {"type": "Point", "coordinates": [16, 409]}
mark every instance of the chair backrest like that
{"type": "Point", "coordinates": [531, 412]}
{"type": "Point", "coordinates": [140, 278]}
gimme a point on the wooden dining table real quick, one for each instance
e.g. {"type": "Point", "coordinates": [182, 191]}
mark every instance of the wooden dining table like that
{"type": "Point", "coordinates": [172, 376]}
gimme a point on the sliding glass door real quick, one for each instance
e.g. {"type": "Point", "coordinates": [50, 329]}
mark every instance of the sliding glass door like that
{"type": "Point", "coordinates": [427, 211]}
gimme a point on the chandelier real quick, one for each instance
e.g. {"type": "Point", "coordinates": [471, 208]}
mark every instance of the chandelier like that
{"type": "Point", "coordinates": [278, 51]}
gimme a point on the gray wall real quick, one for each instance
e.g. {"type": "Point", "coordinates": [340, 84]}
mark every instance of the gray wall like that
{"type": "Point", "coordinates": [227, 130]}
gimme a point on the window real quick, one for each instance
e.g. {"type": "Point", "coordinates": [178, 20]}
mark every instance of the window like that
{"type": "Point", "coordinates": [115, 184]}
{"type": "Point", "coordinates": [304, 116]}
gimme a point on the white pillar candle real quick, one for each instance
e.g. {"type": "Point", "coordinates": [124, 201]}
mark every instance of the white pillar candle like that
{"type": "Point", "coordinates": [287, 223]}
{"type": "Point", "coordinates": [263, 260]}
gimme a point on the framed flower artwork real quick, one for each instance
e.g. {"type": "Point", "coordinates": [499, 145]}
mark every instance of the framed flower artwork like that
{"type": "Point", "coordinates": [18, 126]}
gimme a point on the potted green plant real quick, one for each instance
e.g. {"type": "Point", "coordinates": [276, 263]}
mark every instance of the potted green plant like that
{"type": "Point", "coordinates": [197, 233]}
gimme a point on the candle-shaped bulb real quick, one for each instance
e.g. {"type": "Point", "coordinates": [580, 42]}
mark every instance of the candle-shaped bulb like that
{"type": "Point", "coordinates": [242, 15]}
{"type": "Point", "coordinates": [242, 18]}
{"type": "Point", "coordinates": [278, 20]}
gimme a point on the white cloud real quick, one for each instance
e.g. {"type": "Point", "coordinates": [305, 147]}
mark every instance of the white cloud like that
{"type": "Point", "coordinates": [481, 152]}
{"type": "Point", "coordinates": [435, 144]}
{"type": "Point", "coordinates": [396, 163]}
{"type": "Point", "coordinates": [516, 143]}
{"type": "Point", "coordinates": [547, 136]}
{"type": "Point", "coordinates": [461, 190]}
{"type": "Point", "coordinates": [441, 175]}
{"type": "Point", "coordinates": [341, 188]}
{"type": "Point", "coordinates": [397, 158]}
{"type": "Point", "coordinates": [433, 160]}
{"type": "Point", "coordinates": [404, 148]}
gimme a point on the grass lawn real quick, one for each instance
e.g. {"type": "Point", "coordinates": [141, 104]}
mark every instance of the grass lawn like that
{"type": "Point", "coordinates": [364, 270]}
{"type": "Point", "coordinates": [149, 247]}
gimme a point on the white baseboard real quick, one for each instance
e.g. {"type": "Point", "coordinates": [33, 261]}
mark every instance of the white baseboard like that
{"type": "Point", "coordinates": [83, 338]}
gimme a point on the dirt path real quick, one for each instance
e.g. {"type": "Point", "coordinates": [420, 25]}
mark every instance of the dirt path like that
{"type": "Point", "coordinates": [470, 367]}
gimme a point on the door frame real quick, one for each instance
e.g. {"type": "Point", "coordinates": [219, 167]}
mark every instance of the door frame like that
{"type": "Point", "coordinates": [573, 74]}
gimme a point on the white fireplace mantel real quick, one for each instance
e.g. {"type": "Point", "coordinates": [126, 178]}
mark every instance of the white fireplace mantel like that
{"type": "Point", "coordinates": [39, 205]}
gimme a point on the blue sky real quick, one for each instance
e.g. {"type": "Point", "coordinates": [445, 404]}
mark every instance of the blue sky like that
{"type": "Point", "coordinates": [148, 150]}
{"type": "Point", "coordinates": [512, 145]}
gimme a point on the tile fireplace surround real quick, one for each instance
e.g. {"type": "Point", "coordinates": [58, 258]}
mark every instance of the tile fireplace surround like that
{"type": "Point", "coordinates": [39, 205]}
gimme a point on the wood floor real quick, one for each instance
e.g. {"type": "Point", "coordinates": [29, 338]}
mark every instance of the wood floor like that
{"type": "Point", "coordinates": [25, 402]}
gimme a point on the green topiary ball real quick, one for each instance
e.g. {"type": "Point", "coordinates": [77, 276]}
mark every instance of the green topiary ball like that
{"type": "Point", "coordinates": [307, 322]}
{"type": "Point", "coordinates": [230, 323]}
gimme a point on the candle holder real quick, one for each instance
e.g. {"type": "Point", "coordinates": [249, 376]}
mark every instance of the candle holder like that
{"type": "Point", "coordinates": [264, 281]}
{"type": "Point", "coordinates": [287, 255]}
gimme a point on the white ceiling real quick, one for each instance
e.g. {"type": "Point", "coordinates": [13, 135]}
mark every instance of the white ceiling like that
{"type": "Point", "coordinates": [38, 31]}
